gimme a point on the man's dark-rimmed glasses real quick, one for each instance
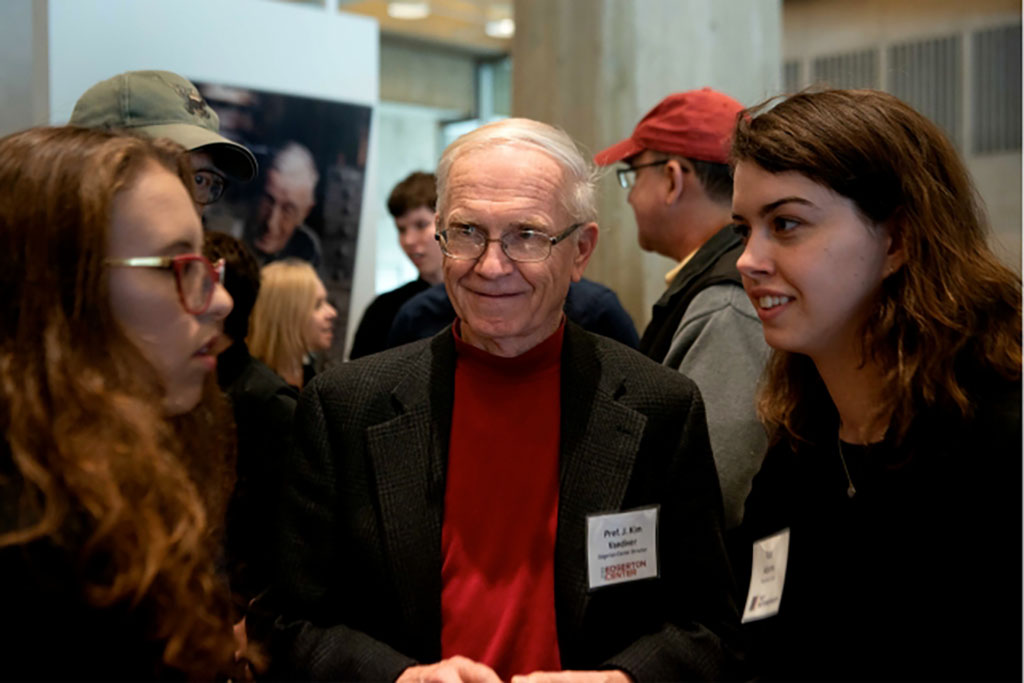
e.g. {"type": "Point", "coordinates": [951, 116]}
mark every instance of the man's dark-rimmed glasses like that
{"type": "Point", "coordinates": [207, 186]}
{"type": "Point", "coordinates": [627, 176]}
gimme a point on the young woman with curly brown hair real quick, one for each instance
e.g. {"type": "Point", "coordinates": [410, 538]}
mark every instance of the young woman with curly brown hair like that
{"type": "Point", "coordinates": [113, 465]}
{"type": "Point", "coordinates": [893, 395]}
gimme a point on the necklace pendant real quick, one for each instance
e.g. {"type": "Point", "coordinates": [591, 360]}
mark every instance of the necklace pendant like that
{"type": "Point", "coordinates": [850, 490]}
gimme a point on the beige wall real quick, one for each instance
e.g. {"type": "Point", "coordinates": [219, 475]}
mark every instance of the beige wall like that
{"type": "Point", "coordinates": [426, 75]}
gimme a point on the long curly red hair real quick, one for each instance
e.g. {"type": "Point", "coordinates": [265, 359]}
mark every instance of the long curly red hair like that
{"type": "Point", "coordinates": [100, 468]}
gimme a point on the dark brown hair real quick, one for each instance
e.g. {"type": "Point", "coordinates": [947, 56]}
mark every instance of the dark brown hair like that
{"type": "Point", "coordinates": [241, 279]}
{"type": "Point", "coordinates": [952, 310]}
{"type": "Point", "coordinates": [418, 189]}
{"type": "Point", "coordinates": [100, 468]}
{"type": "Point", "coordinates": [716, 179]}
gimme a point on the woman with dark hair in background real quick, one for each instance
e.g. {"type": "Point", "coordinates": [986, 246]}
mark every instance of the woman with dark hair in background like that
{"type": "Point", "coordinates": [114, 471]}
{"type": "Point", "coordinates": [882, 537]}
{"type": "Point", "coordinates": [263, 405]}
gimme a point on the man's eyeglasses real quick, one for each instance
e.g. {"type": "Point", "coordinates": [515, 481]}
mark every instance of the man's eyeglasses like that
{"type": "Point", "coordinates": [196, 276]}
{"type": "Point", "coordinates": [207, 186]}
{"type": "Point", "coordinates": [523, 246]}
{"type": "Point", "coordinates": [627, 176]}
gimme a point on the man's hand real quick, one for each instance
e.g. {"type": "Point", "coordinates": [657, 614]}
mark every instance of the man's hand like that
{"type": "Point", "coordinates": [610, 676]}
{"type": "Point", "coordinates": [452, 670]}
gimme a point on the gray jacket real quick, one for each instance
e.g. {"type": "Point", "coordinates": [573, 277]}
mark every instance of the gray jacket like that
{"type": "Point", "coordinates": [720, 345]}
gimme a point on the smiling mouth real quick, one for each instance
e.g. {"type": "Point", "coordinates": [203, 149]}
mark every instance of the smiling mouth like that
{"type": "Point", "coordinates": [769, 302]}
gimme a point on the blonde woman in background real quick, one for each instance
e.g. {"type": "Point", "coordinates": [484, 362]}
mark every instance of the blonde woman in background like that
{"type": "Point", "coordinates": [291, 319]}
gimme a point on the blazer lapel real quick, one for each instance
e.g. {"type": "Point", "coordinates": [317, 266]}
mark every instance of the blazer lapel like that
{"type": "Point", "coordinates": [408, 454]}
{"type": "Point", "coordinates": [599, 443]}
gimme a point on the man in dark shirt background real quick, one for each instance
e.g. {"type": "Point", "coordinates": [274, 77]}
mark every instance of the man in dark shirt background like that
{"type": "Point", "coordinates": [411, 204]}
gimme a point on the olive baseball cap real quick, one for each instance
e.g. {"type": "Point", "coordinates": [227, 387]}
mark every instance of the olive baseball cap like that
{"type": "Point", "coordinates": [161, 104]}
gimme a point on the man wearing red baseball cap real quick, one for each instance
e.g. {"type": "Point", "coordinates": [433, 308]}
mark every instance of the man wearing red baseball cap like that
{"type": "Point", "coordinates": [680, 187]}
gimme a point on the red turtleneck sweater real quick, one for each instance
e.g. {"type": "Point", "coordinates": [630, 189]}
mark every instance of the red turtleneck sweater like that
{"type": "Point", "coordinates": [501, 510]}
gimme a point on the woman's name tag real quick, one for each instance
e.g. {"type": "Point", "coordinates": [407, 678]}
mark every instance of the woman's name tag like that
{"type": "Point", "coordinates": [767, 574]}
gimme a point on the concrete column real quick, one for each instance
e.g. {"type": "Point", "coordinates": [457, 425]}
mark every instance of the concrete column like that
{"type": "Point", "coordinates": [24, 80]}
{"type": "Point", "coordinates": [595, 67]}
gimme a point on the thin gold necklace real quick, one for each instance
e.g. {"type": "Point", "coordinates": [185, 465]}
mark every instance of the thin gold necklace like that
{"type": "Point", "coordinates": [851, 490]}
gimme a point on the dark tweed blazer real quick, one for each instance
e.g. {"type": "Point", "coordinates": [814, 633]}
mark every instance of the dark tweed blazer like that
{"type": "Point", "coordinates": [358, 592]}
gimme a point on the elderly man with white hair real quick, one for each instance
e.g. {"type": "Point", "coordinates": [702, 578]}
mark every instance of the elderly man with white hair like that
{"type": "Point", "coordinates": [288, 197]}
{"type": "Point", "coordinates": [514, 496]}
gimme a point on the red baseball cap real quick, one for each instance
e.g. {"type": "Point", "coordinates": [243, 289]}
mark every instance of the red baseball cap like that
{"type": "Point", "coordinates": [696, 124]}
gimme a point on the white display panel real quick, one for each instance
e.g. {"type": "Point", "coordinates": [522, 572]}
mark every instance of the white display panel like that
{"type": "Point", "coordinates": [260, 44]}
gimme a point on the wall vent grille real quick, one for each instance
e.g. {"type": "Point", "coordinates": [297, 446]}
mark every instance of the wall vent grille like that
{"type": "Point", "coordinates": [849, 70]}
{"type": "Point", "coordinates": [996, 107]}
{"type": "Point", "coordinates": [928, 75]}
{"type": "Point", "coordinates": [791, 81]}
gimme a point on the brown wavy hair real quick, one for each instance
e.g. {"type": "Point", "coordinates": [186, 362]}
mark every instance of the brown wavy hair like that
{"type": "Point", "coordinates": [952, 312]}
{"type": "Point", "coordinates": [100, 468]}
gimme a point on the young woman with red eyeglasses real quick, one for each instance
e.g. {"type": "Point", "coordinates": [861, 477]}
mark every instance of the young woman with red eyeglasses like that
{"type": "Point", "coordinates": [114, 466]}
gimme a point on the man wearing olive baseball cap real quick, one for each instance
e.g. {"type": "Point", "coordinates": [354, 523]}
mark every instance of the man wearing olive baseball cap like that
{"type": "Point", "coordinates": [161, 104]}
{"type": "Point", "coordinates": [680, 187]}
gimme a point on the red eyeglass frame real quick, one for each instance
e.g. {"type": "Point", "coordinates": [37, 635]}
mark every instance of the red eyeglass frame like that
{"type": "Point", "coordinates": [177, 264]}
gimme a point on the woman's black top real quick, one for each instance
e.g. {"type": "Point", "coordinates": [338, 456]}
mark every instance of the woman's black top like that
{"type": "Point", "coordinates": [918, 576]}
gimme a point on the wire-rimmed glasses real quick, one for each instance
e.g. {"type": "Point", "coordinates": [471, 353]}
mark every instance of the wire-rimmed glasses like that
{"type": "Point", "coordinates": [524, 245]}
{"type": "Point", "coordinates": [195, 275]}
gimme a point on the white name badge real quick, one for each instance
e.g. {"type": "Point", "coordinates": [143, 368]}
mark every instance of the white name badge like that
{"type": "Point", "coordinates": [767, 575]}
{"type": "Point", "coordinates": [622, 546]}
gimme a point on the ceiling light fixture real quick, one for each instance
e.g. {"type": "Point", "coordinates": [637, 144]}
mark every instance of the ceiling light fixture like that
{"type": "Point", "coordinates": [502, 28]}
{"type": "Point", "coordinates": [409, 9]}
